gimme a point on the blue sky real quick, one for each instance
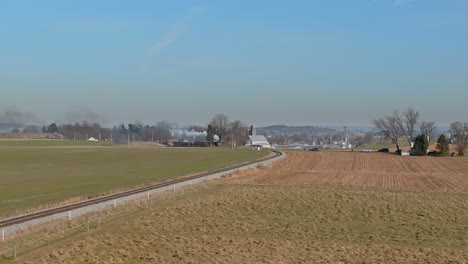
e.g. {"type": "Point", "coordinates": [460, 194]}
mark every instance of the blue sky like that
{"type": "Point", "coordinates": [265, 62]}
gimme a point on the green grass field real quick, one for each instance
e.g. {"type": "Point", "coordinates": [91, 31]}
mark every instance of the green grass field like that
{"type": "Point", "coordinates": [51, 143]}
{"type": "Point", "coordinates": [34, 177]}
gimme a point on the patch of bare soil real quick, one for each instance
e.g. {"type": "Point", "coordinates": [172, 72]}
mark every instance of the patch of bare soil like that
{"type": "Point", "coordinates": [365, 170]}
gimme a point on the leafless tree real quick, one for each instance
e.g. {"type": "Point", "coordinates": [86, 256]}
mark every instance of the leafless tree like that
{"type": "Point", "coordinates": [365, 139]}
{"type": "Point", "coordinates": [162, 131]}
{"type": "Point", "coordinates": [368, 138]}
{"type": "Point", "coordinates": [196, 128]}
{"type": "Point", "coordinates": [390, 128]}
{"type": "Point", "coordinates": [221, 123]}
{"type": "Point", "coordinates": [237, 131]}
{"type": "Point", "coordinates": [280, 139]}
{"type": "Point", "coordinates": [428, 129]}
{"type": "Point", "coordinates": [32, 129]}
{"type": "Point", "coordinates": [407, 123]}
{"type": "Point", "coordinates": [84, 130]}
{"type": "Point", "coordinates": [460, 134]}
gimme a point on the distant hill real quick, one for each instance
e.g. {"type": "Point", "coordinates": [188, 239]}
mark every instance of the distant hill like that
{"type": "Point", "coordinates": [353, 128]}
{"type": "Point", "coordinates": [296, 129]}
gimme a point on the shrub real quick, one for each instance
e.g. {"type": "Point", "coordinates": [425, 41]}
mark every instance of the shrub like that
{"type": "Point", "coordinates": [442, 146]}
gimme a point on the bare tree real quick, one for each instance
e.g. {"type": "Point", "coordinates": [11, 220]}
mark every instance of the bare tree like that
{"type": "Point", "coordinates": [221, 123]}
{"type": "Point", "coordinates": [237, 133]}
{"type": "Point", "coordinates": [429, 129]}
{"type": "Point", "coordinates": [162, 131]}
{"type": "Point", "coordinates": [196, 128]}
{"type": "Point", "coordinates": [365, 139]}
{"type": "Point", "coordinates": [407, 123]}
{"type": "Point", "coordinates": [390, 128]}
{"type": "Point", "coordinates": [279, 139]}
{"type": "Point", "coordinates": [32, 129]}
{"type": "Point", "coordinates": [460, 134]}
{"type": "Point", "coordinates": [82, 131]}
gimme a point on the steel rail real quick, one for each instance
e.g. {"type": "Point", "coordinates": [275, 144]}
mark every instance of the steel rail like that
{"type": "Point", "coordinates": [65, 208]}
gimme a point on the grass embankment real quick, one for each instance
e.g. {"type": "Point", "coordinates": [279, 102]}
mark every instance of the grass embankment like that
{"type": "Point", "coordinates": [33, 177]}
{"type": "Point", "coordinates": [278, 224]}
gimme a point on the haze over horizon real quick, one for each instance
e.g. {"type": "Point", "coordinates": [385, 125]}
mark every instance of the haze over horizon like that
{"type": "Point", "coordinates": [263, 62]}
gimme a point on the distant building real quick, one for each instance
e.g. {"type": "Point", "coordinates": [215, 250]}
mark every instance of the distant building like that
{"type": "Point", "coordinates": [256, 140]}
{"type": "Point", "coordinates": [295, 145]}
{"type": "Point", "coordinates": [332, 146]}
{"type": "Point", "coordinates": [405, 153]}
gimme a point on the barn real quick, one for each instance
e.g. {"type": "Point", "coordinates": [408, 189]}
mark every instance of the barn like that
{"type": "Point", "coordinates": [259, 141]}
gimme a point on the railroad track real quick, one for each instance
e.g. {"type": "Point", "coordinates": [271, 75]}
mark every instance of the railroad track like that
{"type": "Point", "coordinates": [61, 209]}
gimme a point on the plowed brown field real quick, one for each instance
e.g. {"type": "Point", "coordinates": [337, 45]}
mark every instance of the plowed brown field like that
{"type": "Point", "coordinates": [366, 170]}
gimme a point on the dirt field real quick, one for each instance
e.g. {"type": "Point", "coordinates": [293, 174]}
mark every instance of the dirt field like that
{"type": "Point", "coordinates": [366, 170]}
{"type": "Point", "coordinates": [278, 224]}
{"type": "Point", "coordinates": [251, 218]}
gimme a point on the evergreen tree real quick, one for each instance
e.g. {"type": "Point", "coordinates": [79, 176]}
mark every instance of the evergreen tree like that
{"type": "Point", "coordinates": [52, 128]}
{"type": "Point", "coordinates": [420, 145]}
{"type": "Point", "coordinates": [442, 146]}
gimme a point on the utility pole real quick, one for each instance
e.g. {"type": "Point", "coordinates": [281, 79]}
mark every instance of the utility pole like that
{"type": "Point", "coordinates": [346, 136]}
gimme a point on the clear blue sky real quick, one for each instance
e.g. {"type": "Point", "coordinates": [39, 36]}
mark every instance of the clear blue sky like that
{"type": "Point", "coordinates": [265, 62]}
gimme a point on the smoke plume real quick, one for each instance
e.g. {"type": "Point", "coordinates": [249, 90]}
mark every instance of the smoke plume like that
{"type": "Point", "coordinates": [13, 115]}
{"type": "Point", "coordinates": [81, 114]}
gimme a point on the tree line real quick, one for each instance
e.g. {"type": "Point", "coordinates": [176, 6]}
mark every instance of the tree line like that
{"type": "Point", "coordinates": [228, 133]}
{"type": "Point", "coordinates": [134, 131]}
{"type": "Point", "coordinates": [407, 125]}
{"type": "Point", "coordinates": [220, 131]}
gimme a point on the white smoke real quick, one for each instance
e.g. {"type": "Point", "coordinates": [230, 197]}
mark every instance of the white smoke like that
{"type": "Point", "coordinates": [188, 135]}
